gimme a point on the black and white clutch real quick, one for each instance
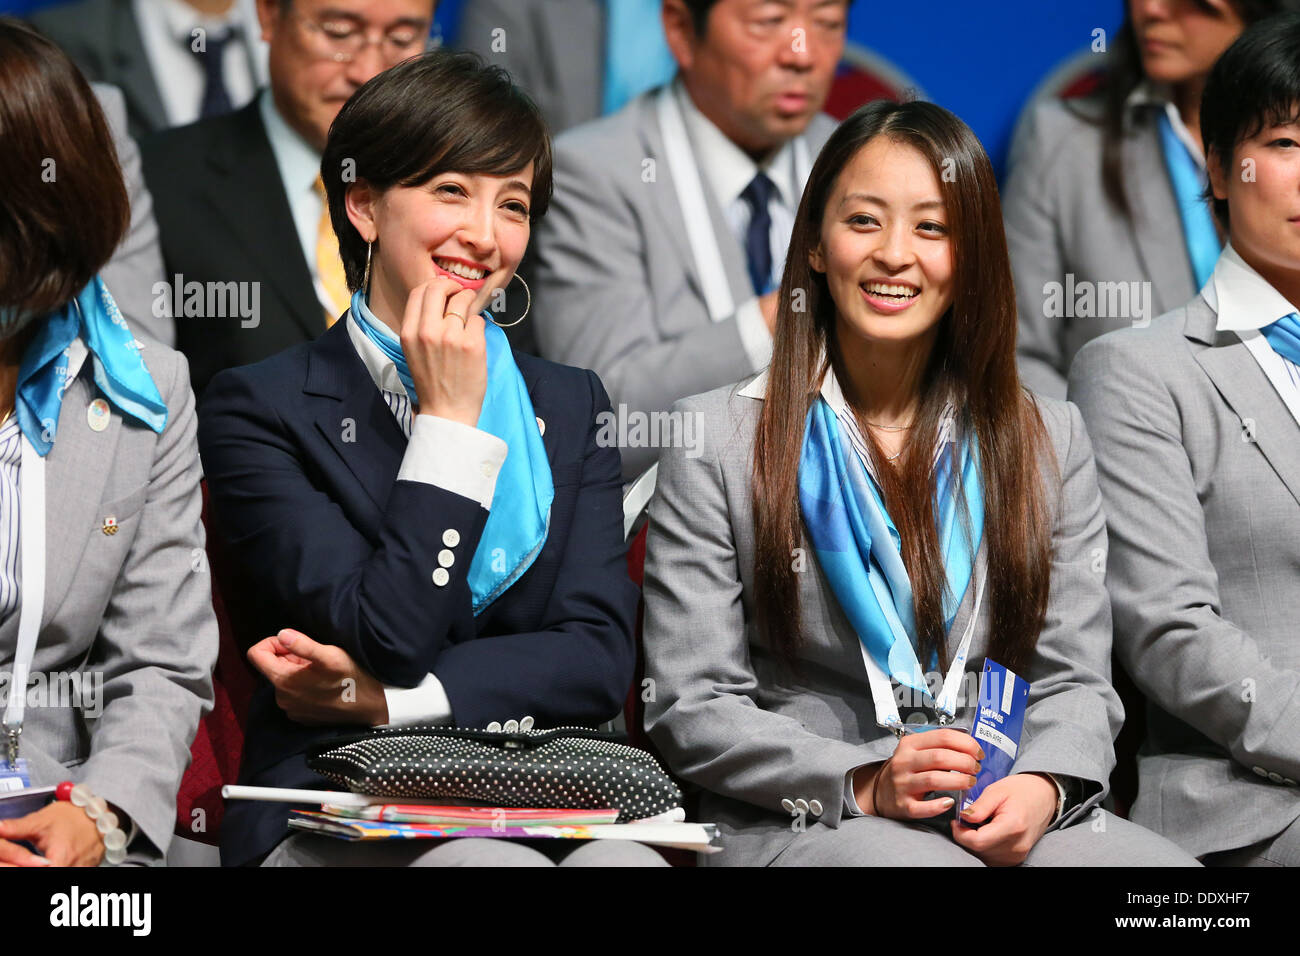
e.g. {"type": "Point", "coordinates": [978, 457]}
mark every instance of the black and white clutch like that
{"type": "Point", "coordinates": [565, 768]}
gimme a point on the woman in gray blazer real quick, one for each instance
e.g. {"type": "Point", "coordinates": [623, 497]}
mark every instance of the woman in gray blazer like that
{"type": "Point", "coordinates": [884, 489]}
{"type": "Point", "coordinates": [106, 622]}
{"type": "Point", "coordinates": [1101, 217]}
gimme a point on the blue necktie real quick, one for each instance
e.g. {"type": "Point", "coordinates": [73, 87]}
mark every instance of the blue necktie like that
{"type": "Point", "coordinates": [216, 98]}
{"type": "Point", "coordinates": [637, 57]}
{"type": "Point", "coordinates": [758, 237]}
{"type": "Point", "coordinates": [1188, 181]}
{"type": "Point", "coordinates": [1284, 336]}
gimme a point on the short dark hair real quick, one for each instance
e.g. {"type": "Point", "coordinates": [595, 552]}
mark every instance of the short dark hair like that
{"type": "Point", "coordinates": [1254, 85]}
{"type": "Point", "coordinates": [439, 112]}
{"type": "Point", "coordinates": [64, 207]}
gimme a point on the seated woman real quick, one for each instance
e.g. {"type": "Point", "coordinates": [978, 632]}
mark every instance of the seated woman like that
{"type": "Point", "coordinates": [434, 511]}
{"type": "Point", "coordinates": [1197, 427]}
{"type": "Point", "coordinates": [1104, 190]}
{"type": "Point", "coordinates": [884, 493]}
{"type": "Point", "coordinates": [107, 636]}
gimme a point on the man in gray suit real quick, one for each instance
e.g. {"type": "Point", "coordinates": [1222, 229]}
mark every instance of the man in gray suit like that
{"type": "Point", "coordinates": [1196, 425]}
{"type": "Point", "coordinates": [656, 263]}
{"type": "Point", "coordinates": [137, 264]}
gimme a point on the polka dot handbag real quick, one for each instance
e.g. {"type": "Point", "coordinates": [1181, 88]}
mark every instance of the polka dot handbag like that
{"type": "Point", "coordinates": [565, 768]}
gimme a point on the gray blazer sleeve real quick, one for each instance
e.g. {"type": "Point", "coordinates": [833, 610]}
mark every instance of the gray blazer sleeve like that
{"type": "Point", "coordinates": [1170, 632]}
{"type": "Point", "coordinates": [1037, 258]}
{"type": "Point", "coordinates": [1074, 713]}
{"type": "Point", "coordinates": [596, 308]}
{"type": "Point", "coordinates": [705, 717]}
{"type": "Point", "coordinates": [157, 641]}
{"type": "Point", "coordinates": [137, 264]}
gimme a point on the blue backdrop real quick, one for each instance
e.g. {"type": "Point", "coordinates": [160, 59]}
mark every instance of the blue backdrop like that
{"type": "Point", "coordinates": [980, 59]}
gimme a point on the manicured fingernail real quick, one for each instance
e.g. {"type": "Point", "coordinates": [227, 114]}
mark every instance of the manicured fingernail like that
{"type": "Point", "coordinates": [946, 802]}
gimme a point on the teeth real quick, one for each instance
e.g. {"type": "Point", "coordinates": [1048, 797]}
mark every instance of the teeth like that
{"type": "Point", "coordinates": [460, 269]}
{"type": "Point", "coordinates": [886, 288]}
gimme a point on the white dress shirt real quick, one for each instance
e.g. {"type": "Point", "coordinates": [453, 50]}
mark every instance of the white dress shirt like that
{"type": "Point", "coordinates": [166, 30]}
{"type": "Point", "coordinates": [459, 458]}
{"type": "Point", "coordinates": [299, 165]}
{"type": "Point", "coordinates": [1246, 302]}
{"type": "Point", "coordinates": [727, 170]}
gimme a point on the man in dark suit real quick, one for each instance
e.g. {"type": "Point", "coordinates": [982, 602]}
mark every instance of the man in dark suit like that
{"type": "Point", "coordinates": [246, 237]}
{"type": "Point", "coordinates": [174, 60]}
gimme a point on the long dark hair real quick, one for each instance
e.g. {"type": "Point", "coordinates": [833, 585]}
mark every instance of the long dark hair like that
{"type": "Point", "coordinates": [972, 362]}
{"type": "Point", "coordinates": [1123, 74]}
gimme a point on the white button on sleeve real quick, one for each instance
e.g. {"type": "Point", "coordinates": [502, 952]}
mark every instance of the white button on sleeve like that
{"type": "Point", "coordinates": [451, 537]}
{"type": "Point", "coordinates": [441, 577]}
{"type": "Point", "coordinates": [445, 558]}
{"type": "Point", "coordinates": [456, 457]}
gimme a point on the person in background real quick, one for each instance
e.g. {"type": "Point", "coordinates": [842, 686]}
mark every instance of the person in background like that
{"type": "Point", "coordinates": [176, 61]}
{"type": "Point", "coordinates": [1103, 217]}
{"type": "Point", "coordinates": [885, 494]}
{"type": "Point", "coordinates": [239, 197]}
{"type": "Point", "coordinates": [99, 496]}
{"type": "Point", "coordinates": [658, 265]}
{"type": "Point", "coordinates": [430, 513]}
{"type": "Point", "coordinates": [577, 59]}
{"type": "Point", "coordinates": [1196, 423]}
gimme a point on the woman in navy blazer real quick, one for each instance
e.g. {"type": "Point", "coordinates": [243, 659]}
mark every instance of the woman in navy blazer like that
{"type": "Point", "coordinates": [355, 513]}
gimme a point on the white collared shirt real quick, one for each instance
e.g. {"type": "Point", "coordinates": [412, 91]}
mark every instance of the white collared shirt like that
{"type": "Point", "coordinates": [1246, 302]}
{"type": "Point", "coordinates": [727, 170]}
{"type": "Point", "coordinates": [166, 31]}
{"type": "Point", "coordinates": [459, 458]}
{"type": "Point", "coordinates": [299, 165]}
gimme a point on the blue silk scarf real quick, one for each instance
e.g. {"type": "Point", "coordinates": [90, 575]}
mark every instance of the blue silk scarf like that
{"type": "Point", "coordinates": [521, 505]}
{"type": "Point", "coordinates": [857, 544]}
{"type": "Point", "coordinates": [1188, 180]}
{"type": "Point", "coordinates": [120, 372]}
{"type": "Point", "coordinates": [1284, 336]}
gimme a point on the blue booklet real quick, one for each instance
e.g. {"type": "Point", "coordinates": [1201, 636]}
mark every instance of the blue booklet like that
{"type": "Point", "coordinates": [1004, 695]}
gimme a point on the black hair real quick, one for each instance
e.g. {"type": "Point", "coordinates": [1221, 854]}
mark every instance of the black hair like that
{"type": "Point", "coordinates": [1253, 86]}
{"type": "Point", "coordinates": [442, 111]}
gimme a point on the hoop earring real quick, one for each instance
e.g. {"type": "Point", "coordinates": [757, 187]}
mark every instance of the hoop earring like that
{"type": "Point", "coordinates": [527, 292]}
{"type": "Point", "coordinates": [365, 279]}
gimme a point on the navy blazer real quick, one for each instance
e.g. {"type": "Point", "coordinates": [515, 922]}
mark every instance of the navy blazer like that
{"type": "Point", "coordinates": [301, 455]}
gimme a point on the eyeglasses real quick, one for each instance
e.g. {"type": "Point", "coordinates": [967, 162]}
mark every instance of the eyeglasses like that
{"type": "Point", "coordinates": [344, 40]}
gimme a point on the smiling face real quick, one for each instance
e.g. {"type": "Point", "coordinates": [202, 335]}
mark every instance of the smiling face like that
{"type": "Point", "coordinates": [472, 227]}
{"type": "Point", "coordinates": [885, 248]}
{"type": "Point", "coordinates": [762, 68]}
{"type": "Point", "coordinates": [1265, 213]}
{"type": "Point", "coordinates": [1179, 40]}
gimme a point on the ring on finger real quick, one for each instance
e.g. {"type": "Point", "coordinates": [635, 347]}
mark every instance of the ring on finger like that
{"type": "Point", "coordinates": [464, 321]}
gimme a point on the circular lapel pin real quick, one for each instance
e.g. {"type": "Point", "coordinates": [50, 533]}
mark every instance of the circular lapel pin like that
{"type": "Point", "coordinates": [110, 525]}
{"type": "Point", "coordinates": [541, 426]}
{"type": "Point", "coordinates": [97, 415]}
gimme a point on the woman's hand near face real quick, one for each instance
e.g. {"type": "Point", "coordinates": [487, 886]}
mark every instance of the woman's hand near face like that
{"type": "Point", "coordinates": [1014, 812]}
{"type": "Point", "coordinates": [445, 350]}
{"type": "Point", "coordinates": [935, 760]}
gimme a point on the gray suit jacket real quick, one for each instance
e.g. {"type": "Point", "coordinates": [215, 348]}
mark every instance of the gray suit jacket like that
{"type": "Point", "coordinates": [137, 264]}
{"type": "Point", "coordinates": [617, 287]}
{"type": "Point", "coordinates": [103, 39]}
{"type": "Point", "coordinates": [729, 719]}
{"type": "Point", "coordinates": [1200, 472]}
{"type": "Point", "coordinates": [554, 49]}
{"type": "Point", "coordinates": [132, 610]}
{"type": "Point", "coordinates": [1059, 223]}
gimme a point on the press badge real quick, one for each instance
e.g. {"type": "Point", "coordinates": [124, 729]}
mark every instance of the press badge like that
{"type": "Point", "coordinates": [1004, 695]}
{"type": "Point", "coordinates": [14, 777]}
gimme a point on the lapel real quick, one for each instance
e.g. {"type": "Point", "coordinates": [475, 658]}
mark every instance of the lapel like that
{"type": "Point", "coordinates": [1156, 222]}
{"type": "Point", "coordinates": [245, 190]}
{"type": "Point", "coordinates": [668, 208]}
{"type": "Point", "coordinates": [132, 72]}
{"type": "Point", "coordinates": [1248, 392]}
{"type": "Point", "coordinates": [75, 473]}
{"type": "Point", "coordinates": [545, 406]}
{"type": "Point", "coordinates": [345, 404]}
